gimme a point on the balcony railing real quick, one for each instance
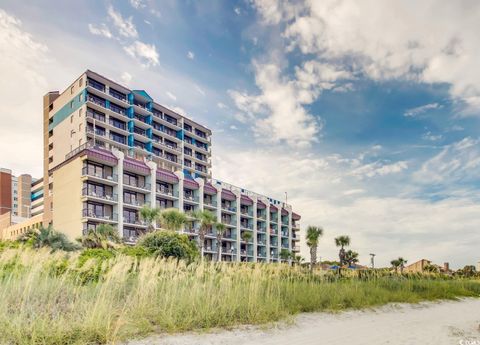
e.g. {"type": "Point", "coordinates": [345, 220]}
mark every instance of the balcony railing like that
{"type": "Point", "coordinates": [246, 212]}
{"type": "Point", "coordinates": [96, 85]}
{"type": "Point", "coordinates": [145, 186]}
{"type": "Point", "coordinates": [93, 115]}
{"type": "Point", "coordinates": [190, 197]}
{"type": "Point", "coordinates": [87, 213]}
{"type": "Point", "coordinates": [105, 196]}
{"type": "Point", "coordinates": [229, 208]}
{"type": "Point", "coordinates": [117, 109]}
{"type": "Point", "coordinates": [134, 202]}
{"type": "Point", "coordinates": [102, 175]}
{"type": "Point", "coordinates": [96, 100]}
{"type": "Point", "coordinates": [134, 221]}
{"type": "Point", "coordinates": [164, 190]}
{"type": "Point", "coordinates": [210, 202]}
{"type": "Point", "coordinates": [118, 95]}
{"type": "Point", "coordinates": [246, 226]}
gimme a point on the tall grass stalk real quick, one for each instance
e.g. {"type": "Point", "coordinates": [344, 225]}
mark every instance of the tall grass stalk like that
{"type": "Point", "coordinates": [58, 299]}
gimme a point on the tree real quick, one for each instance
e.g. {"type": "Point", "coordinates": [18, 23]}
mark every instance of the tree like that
{"type": "Point", "coordinates": [168, 244]}
{"type": "Point", "coordinates": [297, 259]}
{"type": "Point", "coordinates": [246, 237]}
{"type": "Point", "coordinates": [172, 219]}
{"type": "Point", "coordinates": [431, 268]}
{"type": "Point", "coordinates": [220, 230]}
{"type": "Point", "coordinates": [285, 254]}
{"type": "Point", "coordinates": [351, 257]}
{"type": "Point", "coordinates": [207, 219]}
{"type": "Point", "coordinates": [313, 236]}
{"type": "Point", "coordinates": [401, 263]}
{"type": "Point", "coordinates": [48, 237]}
{"type": "Point", "coordinates": [395, 264]}
{"type": "Point", "coordinates": [103, 236]}
{"type": "Point", "coordinates": [150, 215]}
{"type": "Point", "coordinates": [342, 242]}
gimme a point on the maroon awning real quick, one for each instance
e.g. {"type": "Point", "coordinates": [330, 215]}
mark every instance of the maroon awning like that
{"type": "Point", "coordinates": [261, 205]}
{"type": "Point", "coordinates": [295, 216]}
{"type": "Point", "coordinates": [245, 200]}
{"type": "Point", "coordinates": [190, 184]}
{"type": "Point", "coordinates": [166, 176]}
{"type": "Point", "coordinates": [102, 155]}
{"type": "Point", "coordinates": [136, 166]}
{"type": "Point", "coordinates": [228, 195]}
{"type": "Point", "coordinates": [284, 212]}
{"type": "Point", "coordinates": [273, 208]}
{"type": "Point", "coordinates": [209, 189]}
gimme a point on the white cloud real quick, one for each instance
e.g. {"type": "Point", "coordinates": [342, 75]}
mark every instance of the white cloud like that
{"type": "Point", "coordinates": [237, 11]}
{"type": "Point", "coordinates": [124, 26]}
{"type": "Point", "coordinates": [24, 61]}
{"type": "Point", "coordinates": [413, 112]}
{"type": "Point", "coordinates": [199, 90]}
{"type": "Point", "coordinates": [190, 55]}
{"type": "Point", "coordinates": [146, 53]}
{"type": "Point", "coordinates": [171, 95]}
{"type": "Point", "coordinates": [459, 161]}
{"type": "Point", "coordinates": [156, 13]}
{"type": "Point", "coordinates": [233, 127]}
{"type": "Point", "coordinates": [126, 78]}
{"type": "Point", "coordinates": [370, 37]}
{"type": "Point", "coordinates": [431, 137]}
{"type": "Point", "coordinates": [379, 169]}
{"type": "Point", "coordinates": [179, 110]}
{"type": "Point", "coordinates": [277, 112]}
{"type": "Point", "coordinates": [100, 30]}
{"type": "Point", "coordinates": [221, 105]}
{"type": "Point", "coordinates": [138, 4]}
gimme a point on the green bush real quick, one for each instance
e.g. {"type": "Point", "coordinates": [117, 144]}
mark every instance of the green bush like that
{"type": "Point", "coordinates": [135, 251]}
{"type": "Point", "coordinates": [97, 254]}
{"type": "Point", "coordinates": [168, 244]}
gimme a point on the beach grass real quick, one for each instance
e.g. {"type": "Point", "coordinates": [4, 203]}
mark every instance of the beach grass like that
{"type": "Point", "coordinates": [59, 298]}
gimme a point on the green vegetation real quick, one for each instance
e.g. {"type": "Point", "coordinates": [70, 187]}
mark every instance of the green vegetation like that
{"type": "Point", "coordinates": [103, 295]}
{"type": "Point", "coordinates": [47, 237]}
{"type": "Point", "coordinates": [313, 236]}
{"type": "Point", "coordinates": [169, 244]}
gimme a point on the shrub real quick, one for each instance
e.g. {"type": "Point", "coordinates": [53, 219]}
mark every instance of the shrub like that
{"type": "Point", "coordinates": [168, 244]}
{"type": "Point", "coordinates": [135, 251]}
{"type": "Point", "coordinates": [98, 254]}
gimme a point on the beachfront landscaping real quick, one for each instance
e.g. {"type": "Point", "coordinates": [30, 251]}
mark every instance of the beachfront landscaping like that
{"type": "Point", "coordinates": [109, 295]}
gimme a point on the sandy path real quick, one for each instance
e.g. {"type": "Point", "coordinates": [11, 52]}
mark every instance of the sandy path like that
{"type": "Point", "coordinates": [442, 323]}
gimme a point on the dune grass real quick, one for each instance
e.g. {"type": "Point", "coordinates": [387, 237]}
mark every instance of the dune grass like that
{"type": "Point", "coordinates": [58, 299]}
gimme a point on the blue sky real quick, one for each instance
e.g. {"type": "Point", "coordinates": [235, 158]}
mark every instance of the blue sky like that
{"type": "Point", "coordinates": [368, 116]}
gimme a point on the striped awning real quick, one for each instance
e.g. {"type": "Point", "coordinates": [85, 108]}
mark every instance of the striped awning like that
{"type": "Point", "coordinates": [209, 189]}
{"type": "Point", "coordinates": [284, 212]}
{"type": "Point", "coordinates": [228, 195]}
{"type": "Point", "coordinates": [166, 176]}
{"type": "Point", "coordinates": [245, 200]}
{"type": "Point", "coordinates": [261, 205]}
{"type": "Point", "coordinates": [273, 208]}
{"type": "Point", "coordinates": [295, 216]}
{"type": "Point", "coordinates": [190, 184]}
{"type": "Point", "coordinates": [136, 166]}
{"type": "Point", "coordinates": [102, 155]}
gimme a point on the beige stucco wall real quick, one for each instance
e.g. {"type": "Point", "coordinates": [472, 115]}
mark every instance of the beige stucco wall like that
{"type": "Point", "coordinates": [67, 202]}
{"type": "Point", "coordinates": [12, 232]}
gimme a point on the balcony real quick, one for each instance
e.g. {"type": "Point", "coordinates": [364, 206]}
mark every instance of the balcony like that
{"type": "Point", "coordinates": [99, 174]}
{"type": "Point", "coordinates": [96, 100]}
{"type": "Point", "coordinates": [118, 95]}
{"type": "Point", "coordinates": [134, 221]}
{"type": "Point", "coordinates": [246, 226]}
{"type": "Point", "coordinates": [164, 190]}
{"type": "Point", "coordinates": [133, 202]}
{"type": "Point", "coordinates": [117, 109]}
{"type": "Point", "coordinates": [227, 208]}
{"type": "Point", "coordinates": [98, 132]}
{"type": "Point", "coordinates": [86, 213]}
{"type": "Point", "coordinates": [190, 197]}
{"type": "Point", "coordinates": [96, 116]}
{"type": "Point", "coordinates": [229, 221]}
{"type": "Point", "coordinates": [95, 84]}
{"type": "Point", "coordinates": [103, 196]}
{"type": "Point", "coordinates": [212, 203]}
{"type": "Point", "coordinates": [245, 212]}
{"type": "Point", "coordinates": [136, 184]}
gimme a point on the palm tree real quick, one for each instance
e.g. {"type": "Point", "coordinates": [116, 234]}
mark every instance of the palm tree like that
{"type": "Point", "coordinates": [351, 257]}
{"type": "Point", "coordinates": [150, 215]}
{"type": "Point", "coordinates": [48, 237]}
{"type": "Point", "coordinates": [395, 264]}
{"type": "Point", "coordinates": [246, 237]}
{"type": "Point", "coordinates": [342, 241]}
{"type": "Point", "coordinates": [285, 254]}
{"type": "Point", "coordinates": [298, 259]}
{"type": "Point", "coordinates": [220, 228]}
{"type": "Point", "coordinates": [172, 219]}
{"type": "Point", "coordinates": [401, 262]}
{"type": "Point", "coordinates": [313, 235]}
{"type": "Point", "coordinates": [103, 236]}
{"type": "Point", "coordinates": [207, 219]}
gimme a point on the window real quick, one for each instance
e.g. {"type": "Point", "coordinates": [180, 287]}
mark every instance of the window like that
{"type": "Point", "coordinates": [71, 119]}
{"type": "Point", "coordinates": [80, 142]}
{"type": "Point", "coordinates": [72, 132]}
{"type": "Point", "coordinates": [71, 90]}
{"type": "Point", "coordinates": [80, 82]}
{"type": "Point", "coordinates": [71, 104]}
{"type": "Point", "coordinates": [80, 127]}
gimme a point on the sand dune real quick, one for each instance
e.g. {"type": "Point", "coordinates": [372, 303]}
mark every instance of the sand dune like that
{"type": "Point", "coordinates": [441, 323]}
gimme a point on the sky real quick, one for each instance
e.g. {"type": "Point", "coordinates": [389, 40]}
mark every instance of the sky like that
{"type": "Point", "coordinates": [367, 114]}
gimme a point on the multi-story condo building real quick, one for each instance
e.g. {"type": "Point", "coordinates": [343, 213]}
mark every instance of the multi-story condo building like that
{"type": "Point", "coordinates": [110, 150]}
{"type": "Point", "coordinates": [94, 108]}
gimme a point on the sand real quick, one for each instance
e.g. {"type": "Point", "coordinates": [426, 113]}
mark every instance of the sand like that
{"type": "Point", "coordinates": [439, 323]}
